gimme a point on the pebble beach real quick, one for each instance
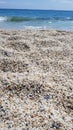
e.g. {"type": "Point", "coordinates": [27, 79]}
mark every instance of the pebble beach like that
{"type": "Point", "coordinates": [36, 79]}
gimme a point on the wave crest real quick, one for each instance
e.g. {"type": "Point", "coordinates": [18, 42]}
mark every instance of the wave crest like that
{"type": "Point", "coordinates": [26, 19]}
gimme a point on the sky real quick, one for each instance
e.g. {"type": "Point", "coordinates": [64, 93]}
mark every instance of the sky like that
{"type": "Point", "coordinates": [38, 4]}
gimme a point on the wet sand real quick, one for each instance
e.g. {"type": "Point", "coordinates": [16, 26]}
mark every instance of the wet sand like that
{"type": "Point", "coordinates": [36, 80]}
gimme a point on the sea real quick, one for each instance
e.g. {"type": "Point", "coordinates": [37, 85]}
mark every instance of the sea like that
{"type": "Point", "coordinates": [40, 19]}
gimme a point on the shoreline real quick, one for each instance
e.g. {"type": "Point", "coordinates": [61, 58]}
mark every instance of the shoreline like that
{"type": "Point", "coordinates": [36, 79]}
{"type": "Point", "coordinates": [37, 28]}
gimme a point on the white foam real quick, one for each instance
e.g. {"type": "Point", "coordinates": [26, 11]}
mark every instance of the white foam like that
{"type": "Point", "coordinates": [35, 27]}
{"type": "Point", "coordinates": [3, 18]}
{"type": "Point", "coordinates": [68, 18]}
{"type": "Point", "coordinates": [50, 22]}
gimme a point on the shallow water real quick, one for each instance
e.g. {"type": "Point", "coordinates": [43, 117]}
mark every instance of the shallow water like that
{"type": "Point", "coordinates": [50, 19]}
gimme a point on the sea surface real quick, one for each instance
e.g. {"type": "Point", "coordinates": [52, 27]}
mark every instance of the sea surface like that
{"type": "Point", "coordinates": [47, 19]}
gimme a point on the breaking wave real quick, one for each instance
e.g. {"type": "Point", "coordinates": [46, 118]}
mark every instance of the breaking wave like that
{"type": "Point", "coordinates": [25, 19]}
{"type": "Point", "coordinates": [3, 19]}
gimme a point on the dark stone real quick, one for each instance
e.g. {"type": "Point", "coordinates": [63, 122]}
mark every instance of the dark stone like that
{"type": "Point", "coordinates": [9, 127]}
{"type": "Point", "coordinates": [30, 95]}
{"type": "Point", "coordinates": [56, 125]}
{"type": "Point", "coordinates": [1, 107]}
{"type": "Point", "coordinates": [70, 107]}
{"type": "Point", "coordinates": [26, 124]}
{"type": "Point", "coordinates": [47, 97]}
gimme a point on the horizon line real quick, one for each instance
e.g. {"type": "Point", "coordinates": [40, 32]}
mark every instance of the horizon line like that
{"type": "Point", "coordinates": [38, 9]}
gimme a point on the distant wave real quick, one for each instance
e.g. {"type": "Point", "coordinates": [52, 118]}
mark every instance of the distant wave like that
{"type": "Point", "coordinates": [25, 19]}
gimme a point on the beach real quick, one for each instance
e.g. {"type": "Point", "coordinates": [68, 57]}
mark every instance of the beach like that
{"type": "Point", "coordinates": [36, 79]}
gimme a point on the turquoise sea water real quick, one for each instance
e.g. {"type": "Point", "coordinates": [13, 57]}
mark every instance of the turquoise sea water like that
{"type": "Point", "coordinates": [49, 19]}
